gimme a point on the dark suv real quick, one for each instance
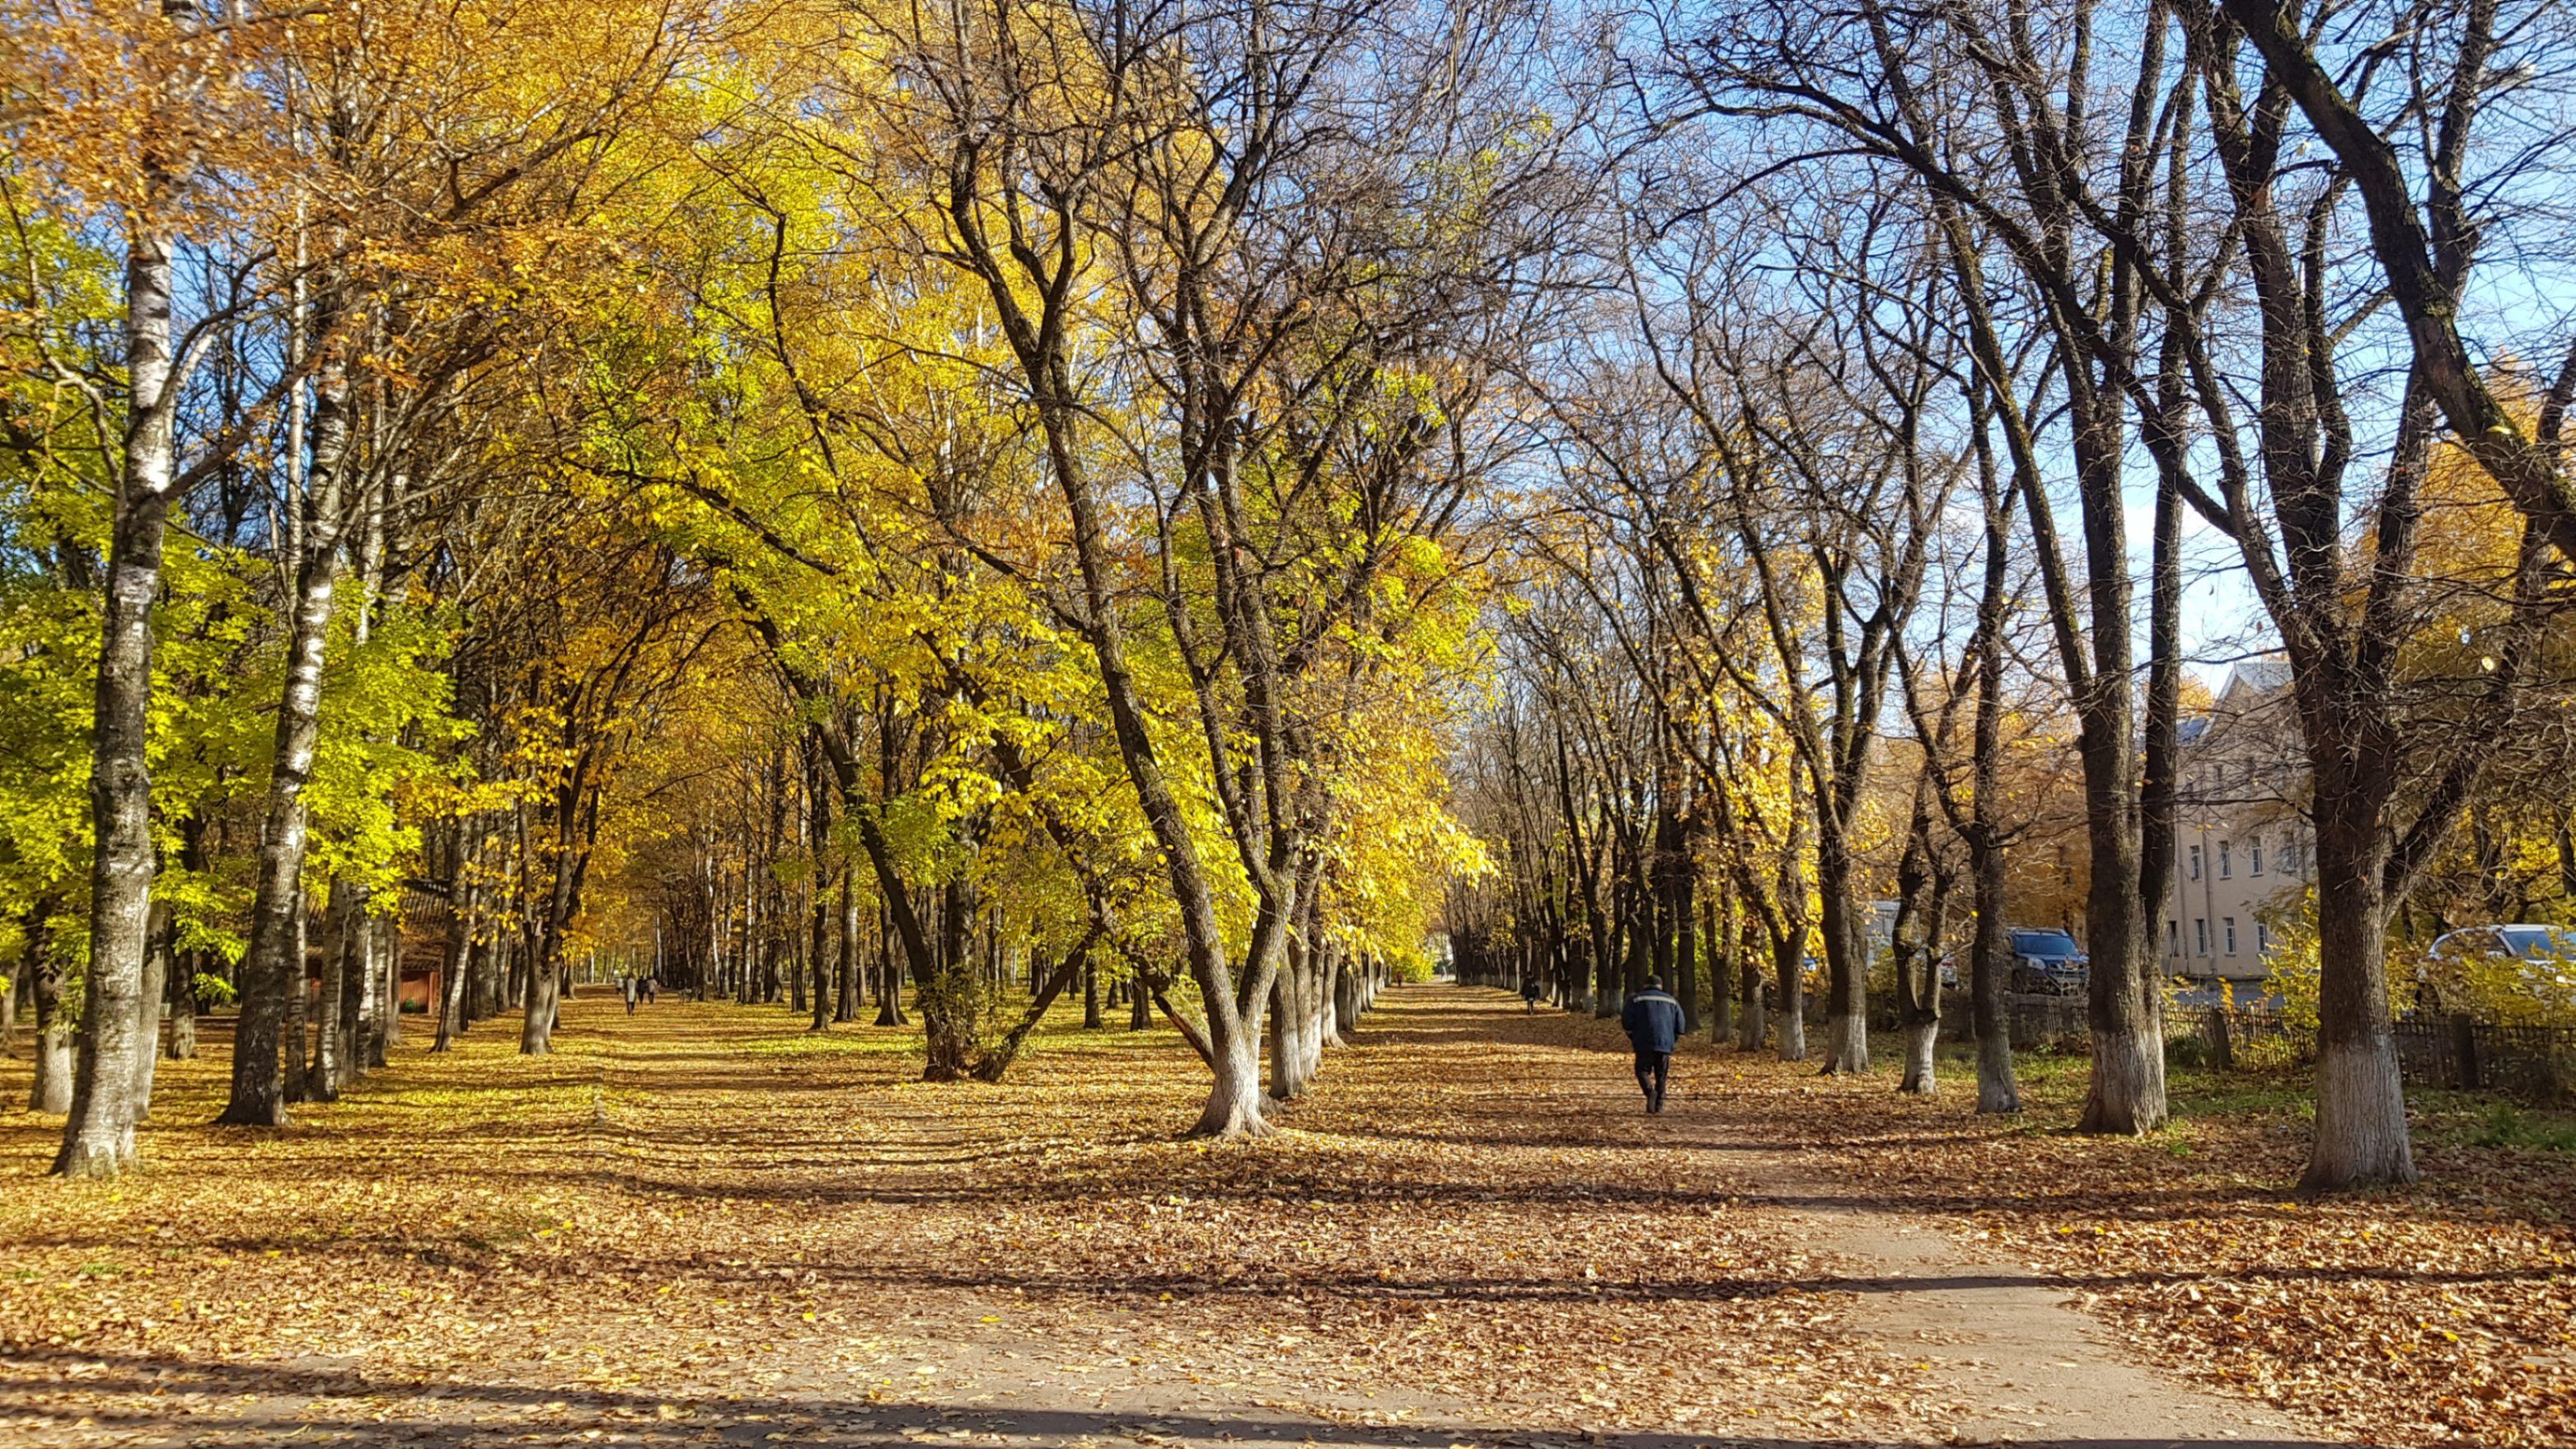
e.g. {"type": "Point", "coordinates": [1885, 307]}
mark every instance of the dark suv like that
{"type": "Point", "coordinates": [2047, 963]}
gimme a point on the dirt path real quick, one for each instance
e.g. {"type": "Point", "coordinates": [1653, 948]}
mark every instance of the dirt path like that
{"type": "Point", "coordinates": [2028, 1367]}
{"type": "Point", "coordinates": [701, 1226]}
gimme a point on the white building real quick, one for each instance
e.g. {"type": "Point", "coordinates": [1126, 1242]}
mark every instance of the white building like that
{"type": "Point", "coordinates": [2241, 843]}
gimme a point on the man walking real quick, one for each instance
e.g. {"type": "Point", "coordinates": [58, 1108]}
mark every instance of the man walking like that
{"type": "Point", "coordinates": [1654, 1022]}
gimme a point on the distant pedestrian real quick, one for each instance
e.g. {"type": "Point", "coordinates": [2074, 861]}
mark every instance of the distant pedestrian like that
{"type": "Point", "coordinates": [1654, 1023]}
{"type": "Point", "coordinates": [1530, 992]}
{"type": "Point", "coordinates": [634, 990]}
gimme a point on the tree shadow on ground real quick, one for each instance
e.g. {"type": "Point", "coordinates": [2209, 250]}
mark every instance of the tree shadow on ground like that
{"type": "Point", "coordinates": [148, 1400]}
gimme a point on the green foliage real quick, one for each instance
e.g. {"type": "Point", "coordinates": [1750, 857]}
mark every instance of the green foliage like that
{"type": "Point", "coordinates": [386, 722]}
{"type": "Point", "coordinates": [218, 658]}
{"type": "Point", "coordinates": [2509, 1126]}
{"type": "Point", "coordinates": [2294, 961]}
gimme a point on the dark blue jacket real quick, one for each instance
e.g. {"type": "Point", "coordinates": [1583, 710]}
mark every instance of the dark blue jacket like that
{"type": "Point", "coordinates": [1653, 1020]}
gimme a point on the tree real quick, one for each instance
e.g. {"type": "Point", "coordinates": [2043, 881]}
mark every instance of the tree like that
{"type": "Point", "coordinates": [133, 117]}
{"type": "Point", "coordinates": [1293, 417]}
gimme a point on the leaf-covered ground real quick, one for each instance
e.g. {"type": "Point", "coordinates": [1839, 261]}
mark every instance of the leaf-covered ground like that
{"type": "Point", "coordinates": [706, 1214]}
{"type": "Point", "coordinates": [700, 1224]}
{"type": "Point", "coordinates": [2444, 1314]}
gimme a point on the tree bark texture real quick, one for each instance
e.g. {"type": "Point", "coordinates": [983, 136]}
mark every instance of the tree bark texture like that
{"type": "Point", "coordinates": [98, 1140]}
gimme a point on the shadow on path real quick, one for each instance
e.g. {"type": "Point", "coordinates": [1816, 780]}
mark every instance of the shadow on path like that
{"type": "Point", "coordinates": [259, 1401]}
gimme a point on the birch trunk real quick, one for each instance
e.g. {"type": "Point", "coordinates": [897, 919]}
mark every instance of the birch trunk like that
{"type": "Point", "coordinates": [273, 971]}
{"type": "Point", "coordinates": [98, 1140]}
{"type": "Point", "coordinates": [156, 990]}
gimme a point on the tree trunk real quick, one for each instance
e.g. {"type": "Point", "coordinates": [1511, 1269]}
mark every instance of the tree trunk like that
{"type": "Point", "coordinates": [1788, 959]}
{"type": "Point", "coordinates": [1318, 1013]}
{"type": "Point", "coordinates": [156, 990]}
{"type": "Point", "coordinates": [1284, 1086]}
{"type": "Point", "coordinates": [323, 1084]}
{"type": "Point", "coordinates": [359, 993]}
{"type": "Point", "coordinates": [845, 981]}
{"type": "Point", "coordinates": [1846, 960]}
{"type": "Point", "coordinates": [1716, 907]}
{"type": "Point", "coordinates": [499, 974]}
{"type": "Point", "coordinates": [1915, 946]}
{"type": "Point", "coordinates": [1328, 998]}
{"type": "Point", "coordinates": [478, 985]}
{"type": "Point", "coordinates": [1752, 1028]}
{"type": "Point", "coordinates": [52, 1090]}
{"type": "Point", "coordinates": [294, 1041]}
{"type": "Point", "coordinates": [1988, 959]}
{"type": "Point", "coordinates": [183, 1012]}
{"type": "Point", "coordinates": [1989, 949]}
{"type": "Point", "coordinates": [456, 958]}
{"type": "Point", "coordinates": [2361, 1102]}
{"type": "Point", "coordinates": [947, 991]}
{"type": "Point", "coordinates": [451, 998]}
{"type": "Point", "coordinates": [818, 837]}
{"type": "Point", "coordinates": [380, 1007]}
{"type": "Point", "coordinates": [269, 976]}
{"type": "Point", "coordinates": [1296, 1006]}
{"type": "Point", "coordinates": [889, 990]}
{"type": "Point", "coordinates": [2125, 1010]}
{"type": "Point", "coordinates": [98, 1138]}
{"type": "Point", "coordinates": [389, 1028]}
{"type": "Point", "coordinates": [537, 1004]}
{"type": "Point", "coordinates": [1234, 1100]}
{"type": "Point", "coordinates": [1681, 919]}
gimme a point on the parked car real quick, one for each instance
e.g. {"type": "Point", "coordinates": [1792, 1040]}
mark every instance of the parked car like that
{"type": "Point", "coordinates": [2539, 963]}
{"type": "Point", "coordinates": [2048, 963]}
{"type": "Point", "coordinates": [2528, 943]}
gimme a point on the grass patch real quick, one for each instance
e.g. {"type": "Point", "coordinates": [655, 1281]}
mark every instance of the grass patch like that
{"type": "Point", "coordinates": [841, 1041]}
{"type": "Point", "coordinates": [2209, 1093]}
{"type": "Point", "coordinates": [2460, 1119]}
{"type": "Point", "coordinates": [2509, 1126]}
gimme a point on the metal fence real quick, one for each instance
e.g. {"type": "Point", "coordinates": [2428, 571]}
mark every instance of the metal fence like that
{"type": "Point", "coordinates": [2535, 1063]}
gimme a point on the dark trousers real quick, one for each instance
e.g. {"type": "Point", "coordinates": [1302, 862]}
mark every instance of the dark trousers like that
{"type": "Point", "coordinates": [1651, 1067]}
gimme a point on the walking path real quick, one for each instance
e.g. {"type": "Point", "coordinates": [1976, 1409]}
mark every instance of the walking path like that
{"type": "Point", "coordinates": [700, 1226]}
{"type": "Point", "coordinates": [2030, 1368]}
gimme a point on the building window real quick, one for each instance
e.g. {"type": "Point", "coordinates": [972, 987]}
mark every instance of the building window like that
{"type": "Point", "coordinates": [2230, 923]}
{"type": "Point", "coordinates": [2173, 937]}
{"type": "Point", "coordinates": [2226, 867]}
{"type": "Point", "coordinates": [2200, 933]}
{"type": "Point", "coordinates": [2195, 862]}
{"type": "Point", "coordinates": [2262, 939]}
{"type": "Point", "coordinates": [2254, 856]}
